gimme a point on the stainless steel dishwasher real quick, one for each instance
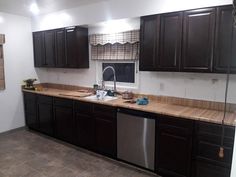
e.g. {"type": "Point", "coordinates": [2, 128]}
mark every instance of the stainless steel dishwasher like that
{"type": "Point", "coordinates": [136, 138]}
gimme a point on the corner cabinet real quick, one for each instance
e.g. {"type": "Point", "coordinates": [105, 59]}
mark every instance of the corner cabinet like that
{"type": "Point", "coordinates": [39, 53]}
{"type": "Point", "coordinates": [61, 48]}
{"type": "Point", "coordinates": [30, 105]}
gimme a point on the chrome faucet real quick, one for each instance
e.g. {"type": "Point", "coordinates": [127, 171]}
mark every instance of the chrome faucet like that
{"type": "Point", "coordinates": [114, 73]}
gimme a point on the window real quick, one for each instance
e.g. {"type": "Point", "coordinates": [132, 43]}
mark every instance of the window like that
{"type": "Point", "coordinates": [125, 72]}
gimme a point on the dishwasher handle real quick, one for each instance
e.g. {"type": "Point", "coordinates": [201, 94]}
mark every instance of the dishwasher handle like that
{"type": "Point", "coordinates": [136, 113]}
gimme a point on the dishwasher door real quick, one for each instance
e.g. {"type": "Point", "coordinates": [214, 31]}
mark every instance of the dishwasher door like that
{"type": "Point", "coordinates": [136, 139]}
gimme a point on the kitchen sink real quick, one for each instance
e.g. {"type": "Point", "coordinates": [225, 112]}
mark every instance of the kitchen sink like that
{"type": "Point", "coordinates": [106, 98]}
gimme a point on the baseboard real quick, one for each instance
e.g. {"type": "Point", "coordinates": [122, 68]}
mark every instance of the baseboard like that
{"type": "Point", "coordinates": [13, 130]}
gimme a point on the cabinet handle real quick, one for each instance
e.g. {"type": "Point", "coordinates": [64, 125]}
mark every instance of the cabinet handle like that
{"type": "Point", "coordinates": [70, 31]}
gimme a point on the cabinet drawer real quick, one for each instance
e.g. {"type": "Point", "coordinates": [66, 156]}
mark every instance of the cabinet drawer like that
{"type": "Point", "coordinates": [215, 139]}
{"type": "Point", "coordinates": [44, 99]}
{"type": "Point", "coordinates": [29, 96]}
{"type": "Point", "coordinates": [104, 112]}
{"type": "Point", "coordinates": [210, 128]}
{"type": "Point", "coordinates": [83, 108]}
{"type": "Point", "coordinates": [176, 125]}
{"type": "Point", "coordinates": [207, 170]}
{"type": "Point", "coordinates": [210, 152]}
{"type": "Point", "coordinates": [63, 102]}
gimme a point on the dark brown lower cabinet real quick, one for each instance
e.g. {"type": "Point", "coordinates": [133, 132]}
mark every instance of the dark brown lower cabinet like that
{"type": "Point", "coordinates": [85, 131]}
{"type": "Point", "coordinates": [174, 147]}
{"type": "Point", "coordinates": [84, 125]}
{"type": "Point", "coordinates": [64, 119]}
{"type": "Point", "coordinates": [96, 128]}
{"type": "Point", "coordinates": [204, 169]}
{"type": "Point", "coordinates": [105, 129]}
{"type": "Point", "coordinates": [30, 104]}
{"type": "Point", "coordinates": [207, 142]}
{"type": "Point", "coordinates": [45, 114]}
{"type": "Point", "coordinates": [184, 148]}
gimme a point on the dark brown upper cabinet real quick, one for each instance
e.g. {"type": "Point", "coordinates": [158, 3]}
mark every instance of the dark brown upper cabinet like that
{"type": "Point", "coordinates": [170, 42]}
{"type": "Point", "coordinates": [61, 48]}
{"type": "Point", "coordinates": [225, 46]}
{"type": "Point", "coordinates": [71, 47]}
{"type": "Point", "coordinates": [39, 54]}
{"type": "Point", "coordinates": [49, 47]}
{"type": "Point", "coordinates": [198, 40]}
{"type": "Point", "coordinates": [149, 45]}
{"type": "Point", "coordinates": [77, 47]}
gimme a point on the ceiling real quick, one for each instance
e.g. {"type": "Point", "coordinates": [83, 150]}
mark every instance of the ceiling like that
{"type": "Point", "coordinates": [21, 7]}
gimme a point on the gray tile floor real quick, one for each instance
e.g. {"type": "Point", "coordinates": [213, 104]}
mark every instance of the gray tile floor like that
{"type": "Point", "coordinates": [27, 154]}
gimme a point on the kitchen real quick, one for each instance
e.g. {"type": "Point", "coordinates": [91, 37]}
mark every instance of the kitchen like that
{"type": "Point", "coordinates": [169, 92]}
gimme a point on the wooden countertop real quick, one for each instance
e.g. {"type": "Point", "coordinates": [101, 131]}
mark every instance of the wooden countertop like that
{"type": "Point", "coordinates": [154, 106]}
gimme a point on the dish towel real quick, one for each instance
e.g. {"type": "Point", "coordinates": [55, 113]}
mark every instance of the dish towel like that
{"type": "Point", "coordinates": [142, 101]}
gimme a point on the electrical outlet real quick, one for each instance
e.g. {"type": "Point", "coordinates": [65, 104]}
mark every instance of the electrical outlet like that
{"type": "Point", "coordinates": [162, 86]}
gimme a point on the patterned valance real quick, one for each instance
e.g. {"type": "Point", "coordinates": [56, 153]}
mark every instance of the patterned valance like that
{"type": "Point", "coordinates": [115, 52]}
{"type": "Point", "coordinates": [119, 46]}
{"type": "Point", "coordinates": [121, 38]}
{"type": "Point", "coordinates": [2, 77]}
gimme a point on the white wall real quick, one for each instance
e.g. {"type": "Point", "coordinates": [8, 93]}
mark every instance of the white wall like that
{"type": "Point", "coordinates": [117, 9]}
{"type": "Point", "coordinates": [18, 66]}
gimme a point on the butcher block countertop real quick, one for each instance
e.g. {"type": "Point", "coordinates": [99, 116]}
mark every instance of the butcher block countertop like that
{"type": "Point", "coordinates": [191, 109]}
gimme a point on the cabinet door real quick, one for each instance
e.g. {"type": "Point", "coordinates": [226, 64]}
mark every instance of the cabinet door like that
{"type": "Point", "coordinates": [64, 120]}
{"type": "Point", "coordinates": [225, 40]}
{"type": "Point", "coordinates": [207, 170]}
{"type": "Point", "coordinates": [71, 48]}
{"type": "Point", "coordinates": [198, 40]}
{"type": "Point", "coordinates": [39, 52]}
{"type": "Point", "coordinates": [174, 147]}
{"type": "Point", "coordinates": [82, 43]}
{"type": "Point", "coordinates": [104, 137]}
{"type": "Point", "coordinates": [45, 114]}
{"type": "Point", "coordinates": [85, 131]}
{"type": "Point", "coordinates": [170, 41]}
{"type": "Point", "coordinates": [149, 42]}
{"type": "Point", "coordinates": [49, 43]}
{"type": "Point", "coordinates": [60, 48]}
{"type": "Point", "coordinates": [31, 110]}
{"type": "Point", "coordinates": [105, 130]}
{"type": "Point", "coordinates": [84, 125]}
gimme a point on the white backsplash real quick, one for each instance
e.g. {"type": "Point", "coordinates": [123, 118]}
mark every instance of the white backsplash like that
{"type": "Point", "coordinates": [186, 85]}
